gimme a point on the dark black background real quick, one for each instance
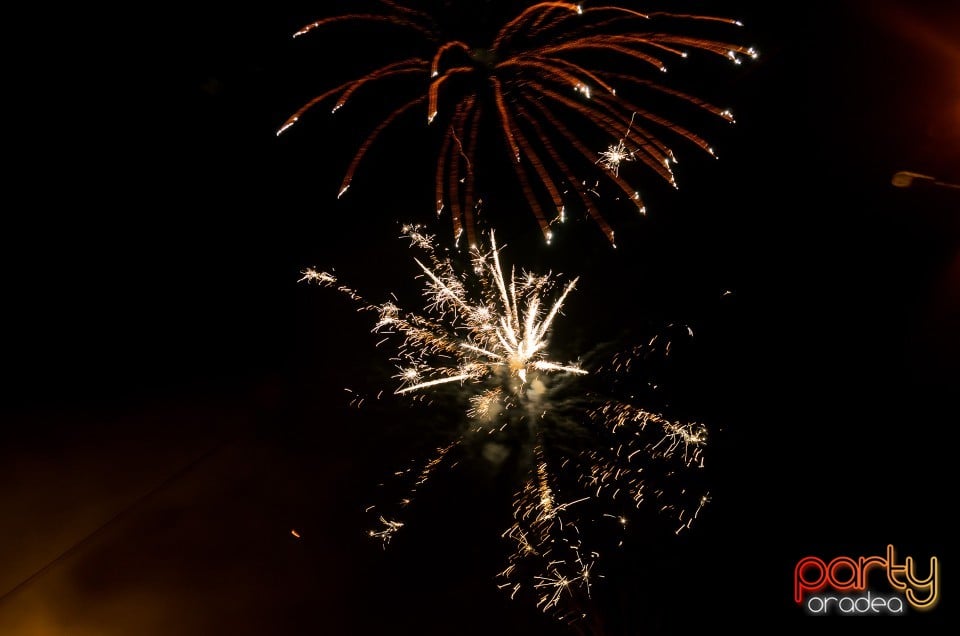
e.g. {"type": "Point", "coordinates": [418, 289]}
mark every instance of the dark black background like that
{"type": "Point", "coordinates": [155, 227]}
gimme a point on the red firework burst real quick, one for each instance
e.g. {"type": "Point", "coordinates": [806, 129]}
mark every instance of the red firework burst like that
{"type": "Point", "coordinates": [534, 79]}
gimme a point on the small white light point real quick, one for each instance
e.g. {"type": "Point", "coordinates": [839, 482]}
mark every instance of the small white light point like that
{"type": "Point", "coordinates": [431, 117]}
{"type": "Point", "coordinates": [579, 9]}
{"type": "Point", "coordinates": [345, 188]}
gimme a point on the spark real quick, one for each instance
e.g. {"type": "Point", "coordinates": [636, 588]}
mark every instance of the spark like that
{"type": "Point", "coordinates": [618, 153]}
{"type": "Point", "coordinates": [613, 156]}
{"type": "Point", "coordinates": [314, 276]}
{"type": "Point", "coordinates": [556, 585]}
{"type": "Point", "coordinates": [388, 529]}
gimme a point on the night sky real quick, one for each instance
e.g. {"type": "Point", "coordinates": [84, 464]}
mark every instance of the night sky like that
{"type": "Point", "coordinates": [174, 401]}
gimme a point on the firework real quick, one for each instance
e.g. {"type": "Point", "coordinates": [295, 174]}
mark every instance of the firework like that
{"type": "Point", "coordinates": [482, 339]}
{"type": "Point", "coordinates": [544, 81]}
{"type": "Point", "coordinates": [499, 333]}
